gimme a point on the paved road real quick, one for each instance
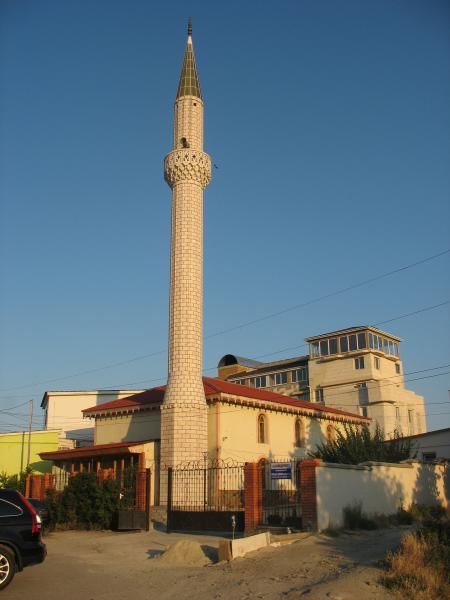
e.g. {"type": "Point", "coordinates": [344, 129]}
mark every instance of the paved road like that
{"type": "Point", "coordinates": [118, 566]}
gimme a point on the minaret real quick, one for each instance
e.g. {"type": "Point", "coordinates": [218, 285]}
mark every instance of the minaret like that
{"type": "Point", "coordinates": [187, 170]}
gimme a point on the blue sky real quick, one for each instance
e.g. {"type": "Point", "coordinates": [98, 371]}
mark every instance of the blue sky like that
{"type": "Point", "coordinates": [329, 124]}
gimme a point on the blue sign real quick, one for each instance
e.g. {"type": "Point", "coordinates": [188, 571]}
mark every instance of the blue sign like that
{"type": "Point", "coordinates": [281, 471]}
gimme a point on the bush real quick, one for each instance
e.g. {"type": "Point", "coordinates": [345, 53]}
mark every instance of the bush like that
{"type": "Point", "coordinates": [85, 503]}
{"type": "Point", "coordinates": [17, 482]}
{"type": "Point", "coordinates": [354, 518]}
{"type": "Point", "coordinates": [420, 569]}
{"type": "Point", "coordinates": [355, 445]}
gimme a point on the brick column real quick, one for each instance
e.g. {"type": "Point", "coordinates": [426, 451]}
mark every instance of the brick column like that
{"type": "Point", "coordinates": [252, 496]}
{"type": "Point", "coordinates": [141, 479]}
{"type": "Point", "coordinates": [36, 487]}
{"type": "Point", "coordinates": [308, 493]}
{"type": "Point", "coordinates": [49, 483]}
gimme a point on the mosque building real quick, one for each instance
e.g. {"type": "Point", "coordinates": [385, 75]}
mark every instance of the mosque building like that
{"type": "Point", "coordinates": [252, 411]}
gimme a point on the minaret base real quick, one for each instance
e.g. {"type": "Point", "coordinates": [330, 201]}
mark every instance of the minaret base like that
{"type": "Point", "coordinates": [184, 434]}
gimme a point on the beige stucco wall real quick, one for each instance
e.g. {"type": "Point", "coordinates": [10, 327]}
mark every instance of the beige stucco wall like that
{"type": "Point", "coordinates": [385, 390]}
{"type": "Point", "coordinates": [63, 410]}
{"type": "Point", "coordinates": [232, 431]}
{"type": "Point", "coordinates": [128, 428]}
{"type": "Point", "coordinates": [380, 488]}
{"type": "Point", "coordinates": [235, 434]}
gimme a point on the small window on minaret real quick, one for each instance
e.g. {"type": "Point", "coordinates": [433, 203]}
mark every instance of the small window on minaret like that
{"type": "Point", "coordinates": [184, 143]}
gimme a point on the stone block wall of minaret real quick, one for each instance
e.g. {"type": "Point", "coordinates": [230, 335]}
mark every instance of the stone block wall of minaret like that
{"type": "Point", "coordinates": [187, 170]}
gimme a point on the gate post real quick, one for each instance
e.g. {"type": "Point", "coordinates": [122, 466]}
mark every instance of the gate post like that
{"type": "Point", "coordinates": [141, 484]}
{"type": "Point", "coordinates": [169, 499]}
{"type": "Point", "coordinates": [148, 478]}
{"type": "Point", "coordinates": [252, 496]}
{"type": "Point", "coordinates": [308, 493]}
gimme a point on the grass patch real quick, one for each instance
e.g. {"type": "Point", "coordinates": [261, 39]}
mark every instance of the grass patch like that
{"type": "Point", "coordinates": [420, 569]}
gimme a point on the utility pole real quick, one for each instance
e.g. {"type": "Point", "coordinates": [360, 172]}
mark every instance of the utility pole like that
{"type": "Point", "coordinates": [30, 424]}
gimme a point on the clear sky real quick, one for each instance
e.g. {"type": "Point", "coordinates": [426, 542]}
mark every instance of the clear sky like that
{"type": "Point", "coordinates": [329, 124]}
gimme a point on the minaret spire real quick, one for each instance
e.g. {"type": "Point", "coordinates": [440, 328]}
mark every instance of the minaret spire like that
{"type": "Point", "coordinates": [189, 82]}
{"type": "Point", "coordinates": [187, 170]}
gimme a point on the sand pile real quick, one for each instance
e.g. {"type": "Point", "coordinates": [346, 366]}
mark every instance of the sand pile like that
{"type": "Point", "coordinates": [185, 553]}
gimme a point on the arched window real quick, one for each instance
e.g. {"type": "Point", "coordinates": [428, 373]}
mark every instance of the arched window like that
{"type": "Point", "coordinates": [262, 430]}
{"type": "Point", "coordinates": [331, 433]}
{"type": "Point", "coordinates": [299, 433]}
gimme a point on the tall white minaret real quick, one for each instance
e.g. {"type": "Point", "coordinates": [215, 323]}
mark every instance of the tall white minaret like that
{"type": "Point", "coordinates": [187, 170]}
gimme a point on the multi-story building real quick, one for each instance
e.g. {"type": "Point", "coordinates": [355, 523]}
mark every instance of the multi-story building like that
{"type": "Point", "coordinates": [357, 369]}
{"type": "Point", "coordinates": [63, 410]}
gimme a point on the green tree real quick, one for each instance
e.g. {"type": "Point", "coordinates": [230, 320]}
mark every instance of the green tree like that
{"type": "Point", "coordinates": [17, 481]}
{"type": "Point", "coordinates": [354, 445]}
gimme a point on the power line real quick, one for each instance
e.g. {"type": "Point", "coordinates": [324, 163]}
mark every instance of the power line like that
{"type": "Point", "coordinates": [12, 407]}
{"type": "Point", "coordinates": [242, 325]}
{"type": "Point", "coordinates": [67, 419]}
{"type": "Point", "coordinates": [330, 295]}
{"type": "Point", "coordinates": [314, 405]}
{"type": "Point", "coordinates": [416, 312]}
{"type": "Point", "coordinates": [420, 310]}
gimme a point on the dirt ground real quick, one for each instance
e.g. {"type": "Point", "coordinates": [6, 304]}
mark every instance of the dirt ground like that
{"type": "Point", "coordinates": [113, 566]}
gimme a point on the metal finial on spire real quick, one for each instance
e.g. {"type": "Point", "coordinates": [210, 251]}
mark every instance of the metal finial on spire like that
{"type": "Point", "coordinates": [189, 84]}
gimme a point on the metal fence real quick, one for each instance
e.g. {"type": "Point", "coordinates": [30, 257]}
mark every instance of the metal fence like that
{"type": "Point", "coordinates": [281, 501]}
{"type": "Point", "coordinates": [206, 498]}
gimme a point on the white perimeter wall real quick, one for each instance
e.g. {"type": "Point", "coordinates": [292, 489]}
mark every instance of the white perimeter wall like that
{"type": "Point", "coordinates": [380, 488]}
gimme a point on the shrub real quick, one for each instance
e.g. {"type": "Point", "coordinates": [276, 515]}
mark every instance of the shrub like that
{"type": "Point", "coordinates": [16, 482]}
{"type": "Point", "coordinates": [85, 503]}
{"type": "Point", "coordinates": [355, 445]}
{"type": "Point", "coordinates": [354, 518]}
{"type": "Point", "coordinates": [420, 569]}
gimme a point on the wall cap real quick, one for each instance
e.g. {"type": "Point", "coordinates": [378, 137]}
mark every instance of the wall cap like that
{"type": "Point", "coordinates": [374, 463]}
{"type": "Point", "coordinates": [361, 467]}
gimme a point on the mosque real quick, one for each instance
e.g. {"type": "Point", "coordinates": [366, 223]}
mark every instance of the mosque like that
{"type": "Point", "coordinates": [252, 411]}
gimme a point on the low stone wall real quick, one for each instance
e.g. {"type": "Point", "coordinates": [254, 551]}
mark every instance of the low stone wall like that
{"type": "Point", "coordinates": [380, 488]}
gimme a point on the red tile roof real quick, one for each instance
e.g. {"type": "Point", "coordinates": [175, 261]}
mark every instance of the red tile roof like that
{"type": "Point", "coordinates": [226, 387]}
{"type": "Point", "coordinates": [113, 448]}
{"type": "Point", "coordinates": [153, 396]}
{"type": "Point", "coordinates": [213, 386]}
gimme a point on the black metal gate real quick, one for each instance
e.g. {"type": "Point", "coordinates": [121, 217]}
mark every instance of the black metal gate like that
{"type": "Point", "coordinates": [206, 499]}
{"type": "Point", "coordinates": [281, 502]}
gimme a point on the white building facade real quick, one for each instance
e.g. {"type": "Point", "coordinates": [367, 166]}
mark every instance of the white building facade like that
{"type": "Point", "coordinates": [63, 410]}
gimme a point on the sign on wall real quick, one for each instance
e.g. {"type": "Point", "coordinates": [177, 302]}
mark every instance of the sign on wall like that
{"type": "Point", "coordinates": [281, 470]}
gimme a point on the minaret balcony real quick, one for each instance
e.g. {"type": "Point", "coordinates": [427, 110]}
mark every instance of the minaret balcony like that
{"type": "Point", "coordinates": [187, 164]}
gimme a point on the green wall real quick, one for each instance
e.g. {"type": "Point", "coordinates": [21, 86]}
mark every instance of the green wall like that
{"type": "Point", "coordinates": [14, 451]}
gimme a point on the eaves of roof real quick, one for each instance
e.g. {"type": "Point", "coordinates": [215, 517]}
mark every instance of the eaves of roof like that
{"type": "Point", "coordinates": [215, 387]}
{"type": "Point", "coordinates": [116, 448]}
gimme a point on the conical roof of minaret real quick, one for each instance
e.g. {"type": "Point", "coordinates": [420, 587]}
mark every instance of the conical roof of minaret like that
{"type": "Point", "coordinates": [189, 83]}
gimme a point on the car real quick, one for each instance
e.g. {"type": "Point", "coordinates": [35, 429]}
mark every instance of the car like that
{"type": "Point", "coordinates": [20, 535]}
{"type": "Point", "coordinates": [41, 510]}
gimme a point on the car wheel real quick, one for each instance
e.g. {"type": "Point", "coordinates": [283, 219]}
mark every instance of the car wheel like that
{"type": "Point", "coordinates": [7, 566]}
